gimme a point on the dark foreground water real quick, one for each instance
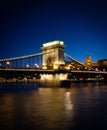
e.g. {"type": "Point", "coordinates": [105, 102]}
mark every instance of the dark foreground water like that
{"type": "Point", "coordinates": [30, 107]}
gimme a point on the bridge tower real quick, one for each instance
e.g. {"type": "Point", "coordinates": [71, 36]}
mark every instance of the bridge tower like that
{"type": "Point", "coordinates": [53, 54]}
{"type": "Point", "coordinates": [88, 60]}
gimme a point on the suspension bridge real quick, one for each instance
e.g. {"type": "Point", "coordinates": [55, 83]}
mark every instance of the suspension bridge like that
{"type": "Point", "coordinates": [52, 60]}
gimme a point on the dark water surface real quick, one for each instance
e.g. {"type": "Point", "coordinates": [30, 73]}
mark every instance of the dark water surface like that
{"type": "Point", "coordinates": [30, 107]}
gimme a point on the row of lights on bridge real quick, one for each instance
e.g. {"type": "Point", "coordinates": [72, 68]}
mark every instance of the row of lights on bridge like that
{"type": "Point", "coordinates": [27, 65]}
{"type": "Point", "coordinates": [36, 66]}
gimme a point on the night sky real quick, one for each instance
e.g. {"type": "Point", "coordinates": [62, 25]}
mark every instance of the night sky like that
{"type": "Point", "coordinates": [26, 25]}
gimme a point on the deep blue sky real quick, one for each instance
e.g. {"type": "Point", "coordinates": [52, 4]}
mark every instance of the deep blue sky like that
{"type": "Point", "coordinates": [81, 24]}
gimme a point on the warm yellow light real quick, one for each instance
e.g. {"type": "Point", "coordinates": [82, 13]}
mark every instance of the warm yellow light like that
{"type": "Point", "coordinates": [68, 68]}
{"type": "Point", "coordinates": [68, 103]}
{"type": "Point", "coordinates": [53, 43]}
{"type": "Point", "coordinates": [62, 76]}
{"type": "Point", "coordinates": [8, 63]}
{"type": "Point", "coordinates": [55, 66]}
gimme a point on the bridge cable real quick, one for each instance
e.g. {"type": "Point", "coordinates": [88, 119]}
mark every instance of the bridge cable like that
{"type": "Point", "coordinates": [66, 55]}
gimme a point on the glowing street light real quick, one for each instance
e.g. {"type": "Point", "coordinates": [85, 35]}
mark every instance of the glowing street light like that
{"type": "Point", "coordinates": [27, 65]}
{"type": "Point", "coordinates": [7, 62]}
{"type": "Point", "coordinates": [36, 66]}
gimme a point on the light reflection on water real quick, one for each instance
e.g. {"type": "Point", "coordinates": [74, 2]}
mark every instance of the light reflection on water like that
{"type": "Point", "coordinates": [81, 106]}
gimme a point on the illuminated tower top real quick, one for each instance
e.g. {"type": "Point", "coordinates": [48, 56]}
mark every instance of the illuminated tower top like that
{"type": "Point", "coordinates": [53, 44]}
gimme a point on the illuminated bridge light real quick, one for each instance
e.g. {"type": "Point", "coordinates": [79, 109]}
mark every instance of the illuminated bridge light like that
{"type": "Point", "coordinates": [7, 62]}
{"type": "Point", "coordinates": [27, 65]}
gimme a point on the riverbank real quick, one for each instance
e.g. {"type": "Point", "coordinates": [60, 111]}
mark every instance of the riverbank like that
{"type": "Point", "coordinates": [64, 81]}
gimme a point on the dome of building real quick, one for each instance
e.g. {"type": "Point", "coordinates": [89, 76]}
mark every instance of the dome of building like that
{"type": "Point", "coordinates": [88, 60]}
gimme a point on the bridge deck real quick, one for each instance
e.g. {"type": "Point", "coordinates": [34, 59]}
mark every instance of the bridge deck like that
{"type": "Point", "coordinates": [49, 71]}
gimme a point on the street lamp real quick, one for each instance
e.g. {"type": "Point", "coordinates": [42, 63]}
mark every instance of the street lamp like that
{"type": "Point", "coordinates": [8, 63]}
{"type": "Point", "coordinates": [27, 65]}
{"type": "Point", "coordinates": [36, 66]}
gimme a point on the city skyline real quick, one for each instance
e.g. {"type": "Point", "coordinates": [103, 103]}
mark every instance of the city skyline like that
{"type": "Point", "coordinates": [26, 25]}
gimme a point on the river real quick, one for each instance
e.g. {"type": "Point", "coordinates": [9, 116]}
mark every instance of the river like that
{"type": "Point", "coordinates": [32, 107]}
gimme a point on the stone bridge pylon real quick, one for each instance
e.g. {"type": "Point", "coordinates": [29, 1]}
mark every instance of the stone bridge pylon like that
{"type": "Point", "coordinates": [53, 54]}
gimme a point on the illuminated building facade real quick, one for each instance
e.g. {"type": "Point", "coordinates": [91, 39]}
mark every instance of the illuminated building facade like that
{"type": "Point", "coordinates": [99, 65]}
{"type": "Point", "coordinates": [53, 54]}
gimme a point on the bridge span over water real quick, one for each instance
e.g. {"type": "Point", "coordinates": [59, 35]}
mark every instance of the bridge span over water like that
{"type": "Point", "coordinates": [31, 73]}
{"type": "Point", "coordinates": [52, 60]}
